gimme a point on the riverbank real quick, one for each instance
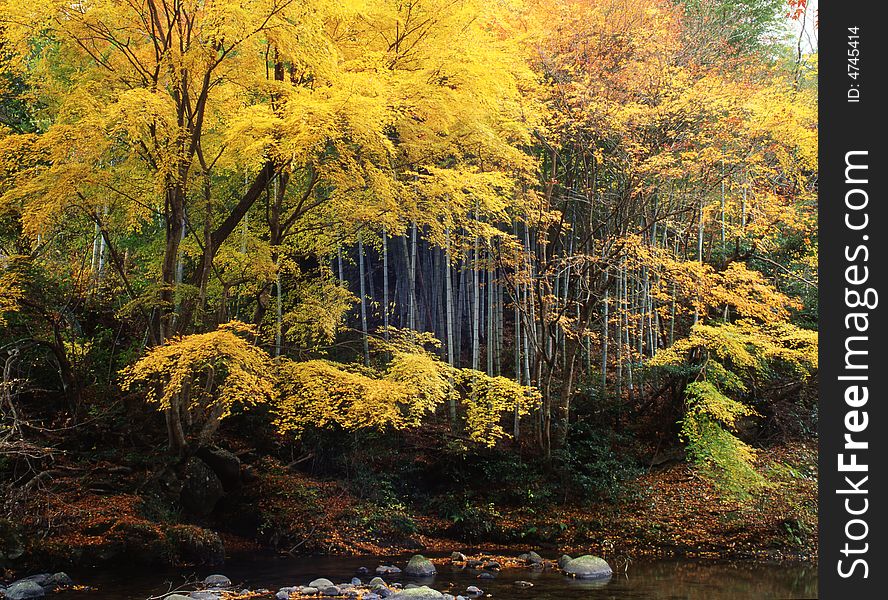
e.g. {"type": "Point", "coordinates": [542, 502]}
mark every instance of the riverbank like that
{"type": "Point", "coordinates": [667, 511]}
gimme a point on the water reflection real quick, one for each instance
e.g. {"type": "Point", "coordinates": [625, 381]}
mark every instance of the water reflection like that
{"type": "Point", "coordinates": [647, 580]}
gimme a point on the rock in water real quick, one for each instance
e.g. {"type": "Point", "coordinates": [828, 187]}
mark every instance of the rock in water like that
{"type": "Point", "coordinates": [418, 593]}
{"type": "Point", "coordinates": [458, 557]}
{"type": "Point", "coordinates": [387, 570]}
{"type": "Point", "coordinates": [57, 580]}
{"type": "Point", "coordinates": [24, 590]}
{"type": "Point", "coordinates": [563, 560]}
{"type": "Point", "coordinates": [217, 581]}
{"type": "Point", "coordinates": [420, 566]}
{"type": "Point", "coordinates": [588, 567]}
{"type": "Point", "coordinates": [534, 558]}
{"type": "Point", "coordinates": [320, 583]}
{"type": "Point", "coordinates": [201, 489]}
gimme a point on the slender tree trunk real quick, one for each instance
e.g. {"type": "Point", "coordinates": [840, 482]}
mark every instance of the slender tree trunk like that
{"type": "Point", "coordinates": [605, 322]}
{"type": "Point", "coordinates": [363, 290]}
{"type": "Point", "coordinates": [385, 285]}
{"type": "Point", "coordinates": [448, 289]}
{"type": "Point", "coordinates": [476, 307]}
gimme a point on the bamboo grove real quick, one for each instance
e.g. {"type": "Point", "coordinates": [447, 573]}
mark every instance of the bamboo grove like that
{"type": "Point", "coordinates": [486, 218]}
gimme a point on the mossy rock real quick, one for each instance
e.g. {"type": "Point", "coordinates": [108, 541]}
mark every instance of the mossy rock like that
{"type": "Point", "coordinates": [195, 545]}
{"type": "Point", "coordinates": [420, 566]}
{"type": "Point", "coordinates": [418, 593]}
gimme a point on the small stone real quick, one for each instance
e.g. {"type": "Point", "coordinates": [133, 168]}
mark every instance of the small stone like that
{"type": "Point", "coordinates": [376, 581]}
{"type": "Point", "coordinates": [534, 558]}
{"type": "Point", "coordinates": [58, 580]}
{"type": "Point", "coordinates": [474, 591]}
{"type": "Point", "coordinates": [308, 590]}
{"type": "Point", "coordinates": [217, 581]}
{"type": "Point", "coordinates": [563, 560]}
{"type": "Point", "coordinates": [523, 584]}
{"type": "Point", "coordinates": [355, 581]}
{"type": "Point", "coordinates": [387, 570]}
{"type": "Point", "coordinates": [458, 557]}
{"type": "Point", "coordinates": [362, 570]}
{"type": "Point", "coordinates": [320, 582]}
{"type": "Point", "coordinates": [332, 590]}
{"type": "Point", "coordinates": [204, 595]}
{"type": "Point", "coordinates": [485, 575]}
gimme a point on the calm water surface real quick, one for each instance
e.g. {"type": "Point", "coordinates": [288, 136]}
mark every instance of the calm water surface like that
{"type": "Point", "coordinates": [650, 580]}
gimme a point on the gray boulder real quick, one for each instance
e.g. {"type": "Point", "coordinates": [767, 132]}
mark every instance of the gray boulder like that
{"type": "Point", "coordinates": [24, 590]}
{"type": "Point", "coordinates": [308, 590]}
{"type": "Point", "coordinates": [474, 591]}
{"type": "Point", "coordinates": [420, 566]}
{"type": "Point", "coordinates": [41, 579]}
{"type": "Point", "coordinates": [204, 595]}
{"type": "Point", "coordinates": [588, 567]}
{"type": "Point", "coordinates": [563, 560]}
{"type": "Point", "coordinates": [534, 558]}
{"type": "Point", "coordinates": [418, 593]}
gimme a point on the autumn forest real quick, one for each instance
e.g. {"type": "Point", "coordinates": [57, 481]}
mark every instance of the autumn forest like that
{"type": "Point", "coordinates": [352, 277]}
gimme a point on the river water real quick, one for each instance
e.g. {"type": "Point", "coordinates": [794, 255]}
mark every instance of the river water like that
{"type": "Point", "coordinates": [643, 580]}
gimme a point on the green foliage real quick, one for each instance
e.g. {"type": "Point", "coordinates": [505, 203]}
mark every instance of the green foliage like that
{"type": "Point", "coordinates": [592, 467]}
{"type": "Point", "coordinates": [743, 25]}
{"type": "Point", "coordinates": [706, 428]}
{"type": "Point", "coordinates": [473, 521]}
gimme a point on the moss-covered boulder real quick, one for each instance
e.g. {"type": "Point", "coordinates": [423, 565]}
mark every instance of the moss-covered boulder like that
{"type": "Point", "coordinates": [420, 566]}
{"type": "Point", "coordinates": [418, 593]}
{"type": "Point", "coordinates": [588, 567]}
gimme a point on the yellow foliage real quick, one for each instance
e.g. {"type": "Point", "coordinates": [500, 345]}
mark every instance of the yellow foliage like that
{"type": "Point", "coordinates": [412, 387]}
{"type": "Point", "coordinates": [205, 373]}
{"type": "Point", "coordinates": [10, 294]}
{"type": "Point", "coordinates": [488, 400]}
